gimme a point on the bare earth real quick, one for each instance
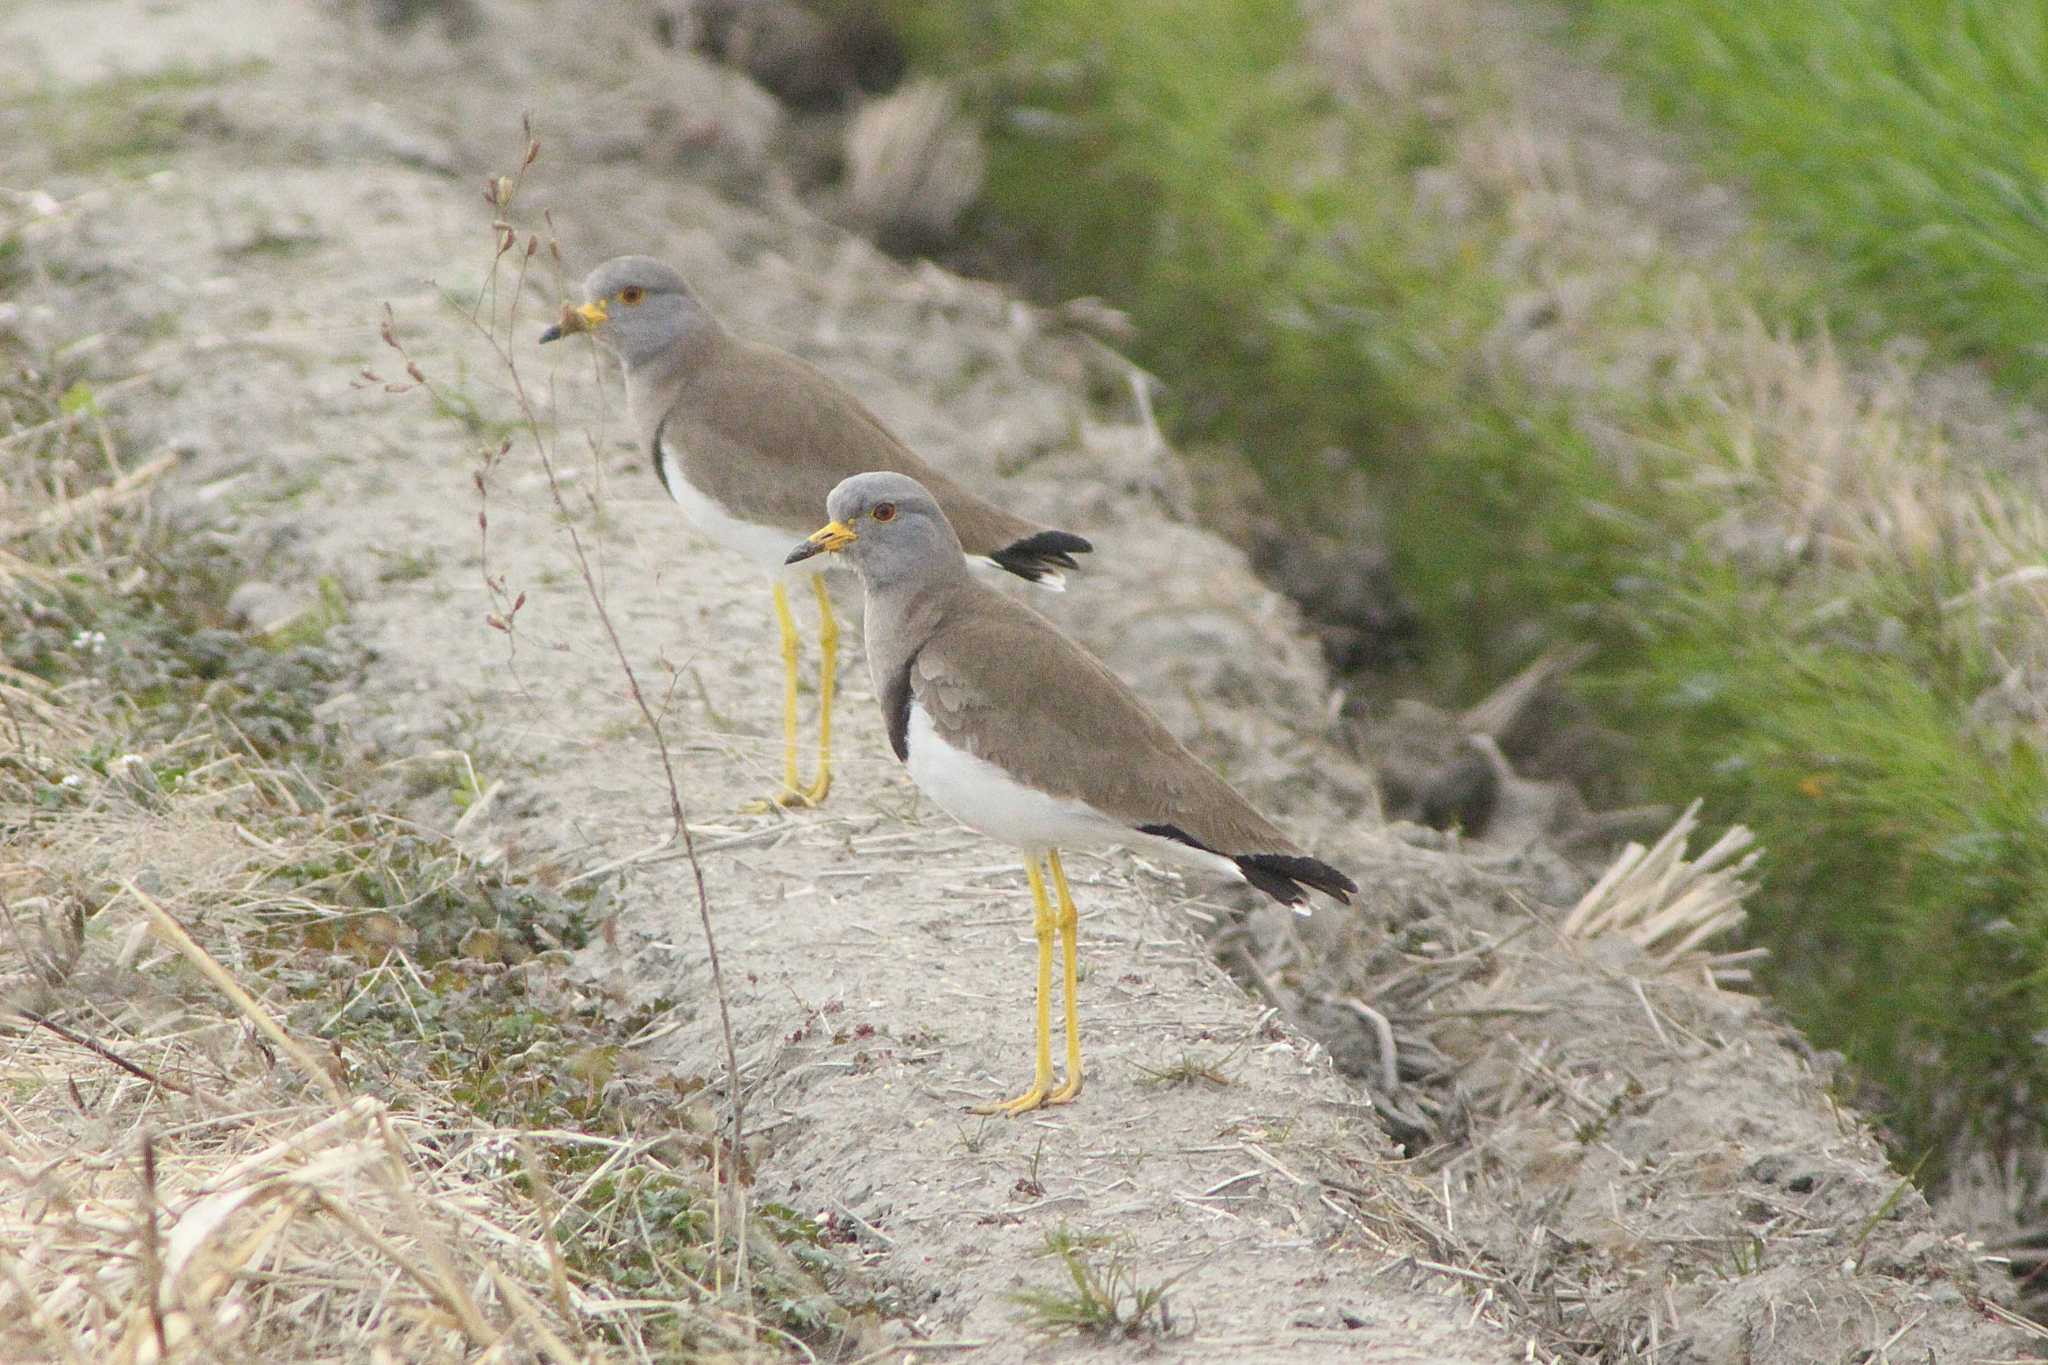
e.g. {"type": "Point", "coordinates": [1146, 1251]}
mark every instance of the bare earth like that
{"type": "Point", "coordinates": [1626, 1139]}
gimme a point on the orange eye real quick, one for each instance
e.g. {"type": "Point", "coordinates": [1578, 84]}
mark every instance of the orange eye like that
{"type": "Point", "coordinates": [631, 295]}
{"type": "Point", "coordinates": [884, 511]}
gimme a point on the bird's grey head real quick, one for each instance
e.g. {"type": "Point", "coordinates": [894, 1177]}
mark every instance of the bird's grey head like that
{"type": "Point", "coordinates": [637, 308]}
{"type": "Point", "coordinates": [889, 528]}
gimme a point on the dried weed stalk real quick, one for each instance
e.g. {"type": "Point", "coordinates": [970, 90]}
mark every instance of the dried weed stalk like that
{"type": "Point", "coordinates": [495, 325]}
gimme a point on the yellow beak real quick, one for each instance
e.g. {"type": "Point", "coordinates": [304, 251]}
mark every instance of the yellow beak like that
{"type": "Point", "coordinates": [586, 318]}
{"type": "Point", "coordinates": [828, 539]}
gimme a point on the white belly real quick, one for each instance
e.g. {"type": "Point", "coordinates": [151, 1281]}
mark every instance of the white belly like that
{"type": "Point", "coordinates": [983, 797]}
{"type": "Point", "coordinates": [766, 546]}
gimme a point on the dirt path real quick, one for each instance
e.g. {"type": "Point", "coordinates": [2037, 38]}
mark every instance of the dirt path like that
{"type": "Point", "coordinates": [876, 954]}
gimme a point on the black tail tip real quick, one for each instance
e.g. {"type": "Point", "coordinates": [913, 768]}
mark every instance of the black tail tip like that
{"type": "Point", "coordinates": [1288, 878]}
{"type": "Point", "coordinates": [1034, 555]}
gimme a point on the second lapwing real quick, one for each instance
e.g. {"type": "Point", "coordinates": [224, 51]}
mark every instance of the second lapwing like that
{"type": "Point", "coordinates": [1016, 731]}
{"type": "Point", "coordinates": [750, 440]}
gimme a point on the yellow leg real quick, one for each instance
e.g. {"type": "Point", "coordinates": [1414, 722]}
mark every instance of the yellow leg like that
{"type": "Point", "coordinates": [1069, 924]}
{"type": "Point", "coordinates": [828, 676]}
{"type": "Point", "coordinates": [791, 793]}
{"type": "Point", "coordinates": [787, 621]}
{"type": "Point", "coordinates": [1042, 925]}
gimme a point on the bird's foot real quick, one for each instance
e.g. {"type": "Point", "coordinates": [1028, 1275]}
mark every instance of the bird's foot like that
{"type": "Point", "coordinates": [1031, 1099]}
{"type": "Point", "coordinates": [789, 798]}
{"type": "Point", "coordinates": [1037, 1097]}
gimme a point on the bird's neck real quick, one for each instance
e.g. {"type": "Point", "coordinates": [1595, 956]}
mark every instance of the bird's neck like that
{"type": "Point", "coordinates": [936, 572]}
{"type": "Point", "coordinates": [894, 635]}
{"type": "Point", "coordinates": [654, 385]}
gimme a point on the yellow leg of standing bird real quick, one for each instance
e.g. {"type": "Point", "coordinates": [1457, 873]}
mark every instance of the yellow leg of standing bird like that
{"type": "Point", "coordinates": [1069, 926]}
{"type": "Point", "coordinates": [1042, 926]}
{"type": "Point", "coordinates": [828, 676]}
{"type": "Point", "coordinates": [792, 793]}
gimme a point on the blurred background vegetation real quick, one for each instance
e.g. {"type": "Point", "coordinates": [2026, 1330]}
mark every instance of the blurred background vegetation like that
{"type": "Point", "coordinates": [1805, 564]}
{"type": "Point", "coordinates": [1904, 140]}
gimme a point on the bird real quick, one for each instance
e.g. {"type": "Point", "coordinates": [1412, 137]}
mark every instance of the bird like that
{"type": "Point", "coordinates": [749, 440]}
{"type": "Point", "coordinates": [1017, 732]}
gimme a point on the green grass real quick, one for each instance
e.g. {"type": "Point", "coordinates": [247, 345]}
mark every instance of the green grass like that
{"type": "Point", "coordinates": [125, 125]}
{"type": "Point", "coordinates": [1904, 141]}
{"type": "Point", "coordinates": [1907, 905]}
{"type": "Point", "coordinates": [1102, 1296]}
{"type": "Point", "coordinates": [1301, 307]}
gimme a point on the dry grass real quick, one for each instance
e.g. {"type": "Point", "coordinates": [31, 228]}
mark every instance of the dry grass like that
{"type": "Point", "coordinates": [188, 1176]}
{"type": "Point", "coordinates": [150, 1226]}
{"type": "Point", "coordinates": [1822, 461]}
{"type": "Point", "coordinates": [1899, 142]}
{"type": "Point", "coordinates": [1670, 906]}
{"type": "Point", "coordinates": [1845, 652]}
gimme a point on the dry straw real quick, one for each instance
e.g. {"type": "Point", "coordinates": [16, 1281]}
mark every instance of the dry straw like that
{"type": "Point", "coordinates": [1670, 905]}
{"type": "Point", "coordinates": [185, 1176]}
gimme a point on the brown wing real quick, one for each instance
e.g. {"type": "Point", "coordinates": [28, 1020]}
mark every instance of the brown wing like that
{"type": "Point", "coordinates": [999, 681]}
{"type": "Point", "coordinates": [769, 437]}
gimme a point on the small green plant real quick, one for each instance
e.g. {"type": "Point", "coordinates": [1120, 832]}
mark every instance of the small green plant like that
{"type": "Point", "coordinates": [1192, 1068]}
{"type": "Point", "coordinates": [1884, 1210]}
{"type": "Point", "coordinates": [406, 565]}
{"type": "Point", "coordinates": [1028, 1185]}
{"type": "Point", "coordinates": [310, 626]}
{"type": "Point", "coordinates": [1746, 1257]}
{"type": "Point", "coordinates": [458, 406]}
{"type": "Point", "coordinates": [1102, 1297]}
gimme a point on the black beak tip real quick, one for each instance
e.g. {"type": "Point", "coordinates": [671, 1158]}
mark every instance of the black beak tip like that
{"type": "Point", "coordinates": [553, 333]}
{"type": "Point", "coordinates": [801, 553]}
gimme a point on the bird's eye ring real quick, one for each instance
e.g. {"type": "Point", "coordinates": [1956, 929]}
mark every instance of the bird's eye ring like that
{"type": "Point", "coordinates": [631, 295]}
{"type": "Point", "coordinates": [884, 511]}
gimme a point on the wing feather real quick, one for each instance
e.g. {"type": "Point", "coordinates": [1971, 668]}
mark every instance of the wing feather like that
{"type": "Point", "coordinates": [999, 680]}
{"type": "Point", "coordinates": [768, 437]}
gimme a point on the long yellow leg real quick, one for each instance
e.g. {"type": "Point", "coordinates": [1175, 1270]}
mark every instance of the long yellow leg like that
{"type": "Point", "coordinates": [787, 621]}
{"type": "Point", "coordinates": [1069, 924]}
{"type": "Point", "coordinates": [828, 676]}
{"type": "Point", "coordinates": [792, 793]}
{"type": "Point", "coordinates": [1042, 925]}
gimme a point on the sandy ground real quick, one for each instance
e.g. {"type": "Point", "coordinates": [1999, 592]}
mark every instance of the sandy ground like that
{"type": "Point", "coordinates": [877, 955]}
